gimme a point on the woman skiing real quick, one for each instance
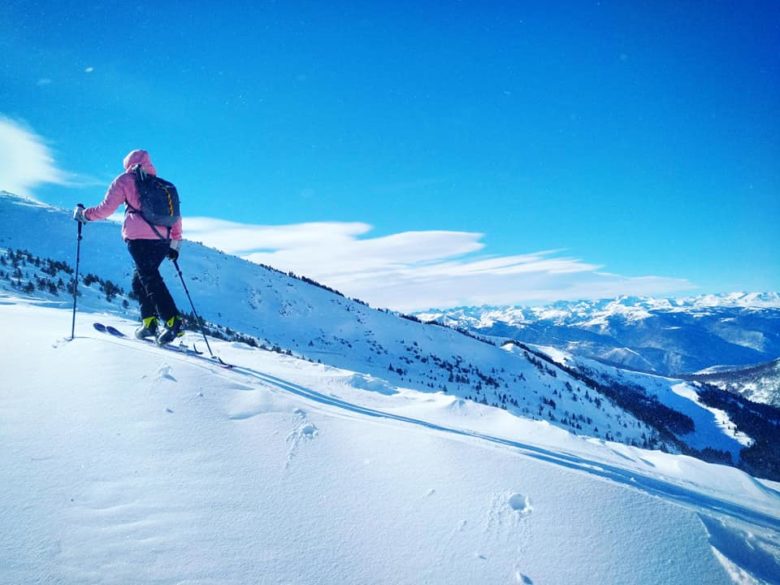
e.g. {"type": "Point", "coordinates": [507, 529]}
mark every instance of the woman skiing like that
{"type": "Point", "coordinates": [149, 244]}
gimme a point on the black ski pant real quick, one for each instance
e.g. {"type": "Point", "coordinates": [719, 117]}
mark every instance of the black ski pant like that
{"type": "Point", "coordinates": [148, 285]}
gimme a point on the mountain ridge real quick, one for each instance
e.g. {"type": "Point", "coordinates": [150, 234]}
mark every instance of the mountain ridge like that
{"type": "Point", "coordinates": [759, 382]}
{"type": "Point", "coordinates": [665, 336]}
{"type": "Point", "coordinates": [319, 324]}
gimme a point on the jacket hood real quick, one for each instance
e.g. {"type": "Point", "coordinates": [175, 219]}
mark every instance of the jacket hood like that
{"type": "Point", "coordinates": [139, 157]}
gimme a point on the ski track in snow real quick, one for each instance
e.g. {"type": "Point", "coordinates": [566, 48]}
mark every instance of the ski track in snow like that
{"type": "Point", "coordinates": [683, 496]}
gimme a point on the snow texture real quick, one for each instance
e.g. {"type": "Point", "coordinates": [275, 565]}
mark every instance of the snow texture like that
{"type": "Point", "coordinates": [123, 463]}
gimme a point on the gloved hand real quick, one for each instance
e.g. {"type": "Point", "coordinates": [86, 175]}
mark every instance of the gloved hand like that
{"type": "Point", "coordinates": [173, 251]}
{"type": "Point", "coordinates": [78, 214]}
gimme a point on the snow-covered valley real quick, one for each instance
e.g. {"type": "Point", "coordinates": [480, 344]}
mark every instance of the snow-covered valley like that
{"type": "Point", "coordinates": [760, 382]}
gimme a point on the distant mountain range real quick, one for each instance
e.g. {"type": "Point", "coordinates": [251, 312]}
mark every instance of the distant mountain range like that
{"type": "Point", "coordinates": [664, 336]}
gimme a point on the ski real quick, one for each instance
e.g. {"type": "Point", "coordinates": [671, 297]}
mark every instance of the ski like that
{"type": "Point", "coordinates": [182, 349]}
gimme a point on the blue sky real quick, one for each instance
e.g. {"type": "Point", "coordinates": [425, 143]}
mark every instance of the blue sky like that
{"type": "Point", "coordinates": [422, 153]}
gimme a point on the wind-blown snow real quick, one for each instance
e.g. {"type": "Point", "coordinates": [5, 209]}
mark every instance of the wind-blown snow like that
{"type": "Point", "coordinates": [124, 463]}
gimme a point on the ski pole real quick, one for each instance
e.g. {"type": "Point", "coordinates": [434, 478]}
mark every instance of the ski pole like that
{"type": "Point", "coordinates": [76, 278]}
{"type": "Point", "coordinates": [194, 312]}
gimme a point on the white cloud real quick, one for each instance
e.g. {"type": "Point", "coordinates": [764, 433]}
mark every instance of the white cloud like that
{"type": "Point", "coordinates": [26, 161]}
{"type": "Point", "coordinates": [418, 270]}
{"type": "Point", "coordinates": [239, 238]}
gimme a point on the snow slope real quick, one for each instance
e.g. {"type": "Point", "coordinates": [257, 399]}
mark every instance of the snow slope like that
{"type": "Point", "coordinates": [671, 392]}
{"type": "Point", "coordinates": [760, 383]}
{"type": "Point", "coordinates": [124, 463]}
{"type": "Point", "coordinates": [321, 325]}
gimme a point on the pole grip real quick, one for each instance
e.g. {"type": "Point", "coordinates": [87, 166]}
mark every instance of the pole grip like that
{"type": "Point", "coordinates": [81, 206]}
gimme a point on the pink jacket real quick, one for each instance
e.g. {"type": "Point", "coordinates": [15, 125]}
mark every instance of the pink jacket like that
{"type": "Point", "coordinates": [123, 190]}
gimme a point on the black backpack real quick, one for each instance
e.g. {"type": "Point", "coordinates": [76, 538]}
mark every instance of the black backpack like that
{"type": "Point", "coordinates": [159, 201]}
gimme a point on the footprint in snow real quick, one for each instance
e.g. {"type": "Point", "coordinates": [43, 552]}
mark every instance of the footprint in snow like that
{"type": "Point", "coordinates": [507, 519]}
{"type": "Point", "coordinates": [305, 430]}
{"type": "Point", "coordinates": [165, 373]}
{"type": "Point", "coordinates": [520, 504]}
{"type": "Point", "coordinates": [507, 513]}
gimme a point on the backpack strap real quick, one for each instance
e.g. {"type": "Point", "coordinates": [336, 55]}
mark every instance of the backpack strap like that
{"type": "Point", "coordinates": [140, 175]}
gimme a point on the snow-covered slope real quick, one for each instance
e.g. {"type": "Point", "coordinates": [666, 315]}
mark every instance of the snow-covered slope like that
{"type": "Point", "coordinates": [125, 463]}
{"type": "Point", "coordinates": [760, 383]}
{"type": "Point", "coordinates": [666, 336]}
{"type": "Point", "coordinates": [306, 320]}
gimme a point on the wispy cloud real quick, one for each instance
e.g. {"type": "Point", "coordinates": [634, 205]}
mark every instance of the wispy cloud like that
{"type": "Point", "coordinates": [27, 161]}
{"type": "Point", "coordinates": [422, 269]}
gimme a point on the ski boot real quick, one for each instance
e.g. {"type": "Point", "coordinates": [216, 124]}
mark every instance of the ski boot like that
{"type": "Point", "coordinates": [174, 327]}
{"type": "Point", "coordinates": [148, 329]}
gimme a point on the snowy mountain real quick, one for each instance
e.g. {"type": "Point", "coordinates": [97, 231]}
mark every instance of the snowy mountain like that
{"type": "Point", "coordinates": [665, 336]}
{"type": "Point", "coordinates": [669, 398]}
{"type": "Point", "coordinates": [125, 463]}
{"type": "Point", "coordinates": [759, 383]}
{"type": "Point", "coordinates": [411, 453]}
{"type": "Point", "coordinates": [294, 315]}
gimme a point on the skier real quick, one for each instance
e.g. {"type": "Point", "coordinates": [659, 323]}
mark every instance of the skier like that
{"type": "Point", "coordinates": [148, 245]}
